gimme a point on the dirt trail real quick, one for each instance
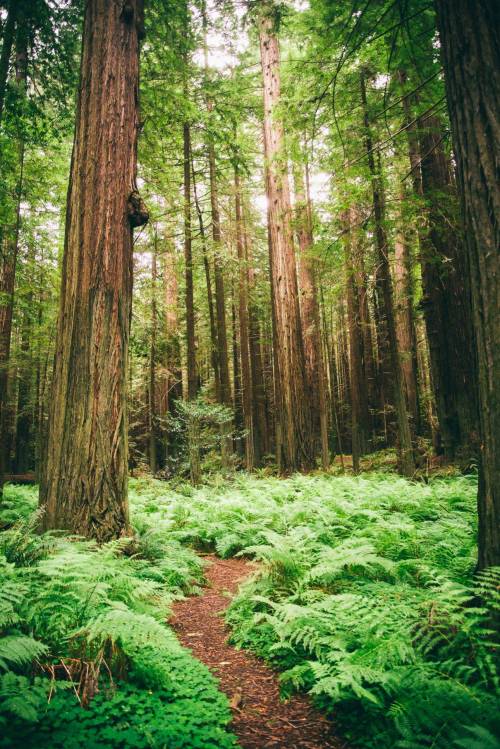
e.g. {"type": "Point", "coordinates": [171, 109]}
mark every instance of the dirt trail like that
{"type": "Point", "coordinates": [261, 720]}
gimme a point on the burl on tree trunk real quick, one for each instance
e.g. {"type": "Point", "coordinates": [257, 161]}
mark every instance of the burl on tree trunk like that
{"type": "Point", "coordinates": [84, 480]}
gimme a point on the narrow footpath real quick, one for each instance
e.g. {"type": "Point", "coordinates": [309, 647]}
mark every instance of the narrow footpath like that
{"type": "Point", "coordinates": [260, 719]}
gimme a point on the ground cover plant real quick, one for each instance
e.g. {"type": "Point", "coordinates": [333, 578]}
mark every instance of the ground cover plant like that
{"type": "Point", "coordinates": [83, 626]}
{"type": "Point", "coordinates": [366, 597]}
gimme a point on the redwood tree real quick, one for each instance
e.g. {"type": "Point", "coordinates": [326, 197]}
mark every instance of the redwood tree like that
{"type": "Point", "coordinates": [470, 47]}
{"type": "Point", "coordinates": [292, 407]}
{"type": "Point", "coordinates": [84, 480]}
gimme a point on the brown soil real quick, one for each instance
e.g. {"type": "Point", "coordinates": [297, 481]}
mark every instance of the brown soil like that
{"type": "Point", "coordinates": [261, 720]}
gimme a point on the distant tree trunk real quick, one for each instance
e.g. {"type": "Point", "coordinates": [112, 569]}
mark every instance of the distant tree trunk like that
{"type": "Point", "coordinates": [8, 39]}
{"type": "Point", "coordinates": [24, 442]}
{"type": "Point", "coordinates": [9, 239]}
{"type": "Point", "coordinates": [293, 409]}
{"type": "Point", "coordinates": [446, 300]}
{"type": "Point", "coordinates": [360, 417]}
{"type": "Point", "coordinates": [405, 449]}
{"type": "Point", "coordinates": [238, 399]}
{"type": "Point", "coordinates": [192, 380]}
{"type": "Point", "coordinates": [246, 371]}
{"type": "Point", "coordinates": [470, 48]}
{"type": "Point", "coordinates": [172, 362]}
{"type": "Point", "coordinates": [405, 327]}
{"type": "Point", "coordinates": [152, 426]}
{"type": "Point", "coordinates": [84, 475]}
{"type": "Point", "coordinates": [220, 303]}
{"type": "Point", "coordinates": [309, 309]}
{"type": "Point", "coordinates": [214, 352]}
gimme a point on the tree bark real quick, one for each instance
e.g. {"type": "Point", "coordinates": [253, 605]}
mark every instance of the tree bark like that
{"type": "Point", "coordinates": [309, 309]}
{"type": "Point", "coordinates": [84, 476]}
{"type": "Point", "coordinates": [405, 328]}
{"type": "Point", "coordinates": [246, 371]}
{"type": "Point", "coordinates": [470, 48]}
{"type": "Point", "coordinates": [8, 265]}
{"type": "Point", "coordinates": [405, 450]}
{"type": "Point", "coordinates": [214, 352]}
{"type": "Point", "coordinates": [360, 417]}
{"type": "Point", "coordinates": [446, 300]}
{"type": "Point", "coordinates": [192, 380]}
{"type": "Point", "coordinates": [8, 39]}
{"type": "Point", "coordinates": [293, 411]}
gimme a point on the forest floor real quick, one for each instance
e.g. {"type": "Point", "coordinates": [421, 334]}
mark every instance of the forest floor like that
{"type": "Point", "coordinates": [261, 719]}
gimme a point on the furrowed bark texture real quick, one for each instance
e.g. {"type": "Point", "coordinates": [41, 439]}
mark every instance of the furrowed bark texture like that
{"type": "Point", "coordinates": [293, 412]}
{"type": "Point", "coordinates": [84, 481]}
{"type": "Point", "coordinates": [470, 48]}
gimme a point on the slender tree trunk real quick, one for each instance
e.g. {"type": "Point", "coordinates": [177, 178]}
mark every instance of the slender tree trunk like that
{"type": "Point", "coordinates": [470, 48]}
{"type": "Point", "coordinates": [246, 371]}
{"type": "Point", "coordinates": [406, 459]}
{"type": "Point", "coordinates": [293, 411]}
{"type": "Point", "coordinates": [153, 435]}
{"type": "Point", "coordinates": [192, 381]}
{"type": "Point", "coordinates": [84, 475]}
{"type": "Point", "coordinates": [214, 353]}
{"type": "Point", "coordinates": [173, 366]}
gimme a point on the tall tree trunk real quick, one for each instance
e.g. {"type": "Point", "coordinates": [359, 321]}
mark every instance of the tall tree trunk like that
{"type": "Point", "coordinates": [446, 300]}
{"type": "Point", "coordinates": [214, 352]}
{"type": "Point", "coordinates": [405, 449]}
{"type": "Point", "coordinates": [8, 39]}
{"type": "Point", "coordinates": [84, 476]}
{"type": "Point", "coordinates": [360, 417]}
{"type": "Point", "coordinates": [405, 328]}
{"type": "Point", "coordinates": [172, 362]}
{"type": "Point", "coordinates": [293, 412]}
{"type": "Point", "coordinates": [152, 426]}
{"type": "Point", "coordinates": [192, 380]}
{"type": "Point", "coordinates": [246, 371]}
{"type": "Point", "coordinates": [8, 265]}
{"type": "Point", "coordinates": [309, 309]}
{"type": "Point", "coordinates": [470, 48]}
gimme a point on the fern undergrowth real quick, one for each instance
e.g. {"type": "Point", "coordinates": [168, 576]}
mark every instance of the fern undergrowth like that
{"type": "Point", "coordinates": [366, 598]}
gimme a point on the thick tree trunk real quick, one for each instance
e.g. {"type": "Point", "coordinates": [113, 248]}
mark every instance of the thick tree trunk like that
{"type": "Point", "coordinates": [446, 300]}
{"type": "Point", "coordinates": [84, 476]}
{"type": "Point", "coordinates": [405, 328]}
{"type": "Point", "coordinates": [315, 367]}
{"type": "Point", "coordinates": [293, 411]}
{"type": "Point", "coordinates": [406, 459]}
{"type": "Point", "coordinates": [9, 238]}
{"type": "Point", "coordinates": [360, 417]}
{"type": "Point", "coordinates": [470, 47]}
{"type": "Point", "coordinates": [8, 38]}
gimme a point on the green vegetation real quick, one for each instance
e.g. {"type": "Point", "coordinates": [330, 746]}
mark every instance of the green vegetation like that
{"type": "Point", "coordinates": [76, 620]}
{"type": "Point", "coordinates": [365, 597]}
